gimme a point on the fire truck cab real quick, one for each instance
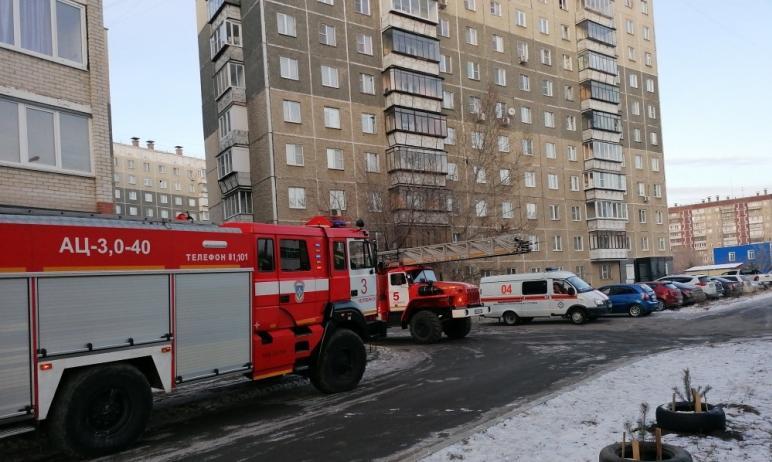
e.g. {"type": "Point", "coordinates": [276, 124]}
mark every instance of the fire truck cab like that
{"type": "Point", "coordinates": [96, 312]}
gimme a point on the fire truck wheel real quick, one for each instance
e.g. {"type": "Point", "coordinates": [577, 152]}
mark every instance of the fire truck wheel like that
{"type": "Point", "coordinates": [457, 328]}
{"type": "Point", "coordinates": [100, 410]}
{"type": "Point", "coordinates": [426, 327]}
{"type": "Point", "coordinates": [341, 363]}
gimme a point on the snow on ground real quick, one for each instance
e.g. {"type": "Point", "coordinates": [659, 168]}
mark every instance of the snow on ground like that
{"type": "Point", "coordinates": [716, 307]}
{"type": "Point", "coordinates": [577, 424]}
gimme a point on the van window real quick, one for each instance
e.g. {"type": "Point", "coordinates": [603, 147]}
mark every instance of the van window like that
{"type": "Point", "coordinates": [294, 255]}
{"type": "Point", "coordinates": [339, 255]}
{"type": "Point", "coordinates": [535, 287]}
{"type": "Point", "coordinates": [398, 279]}
{"type": "Point", "coordinates": [359, 255]}
{"type": "Point", "coordinates": [265, 255]}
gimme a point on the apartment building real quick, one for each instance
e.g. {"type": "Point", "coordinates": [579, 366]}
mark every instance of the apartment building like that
{"type": "Point", "coordinates": [697, 229]}
{"type": "Point", "coordinates": [159, 185]}
{"type": "Point", "coordinates": [54, 106]}
{"type": "Point", "coordinates": [444, 121]}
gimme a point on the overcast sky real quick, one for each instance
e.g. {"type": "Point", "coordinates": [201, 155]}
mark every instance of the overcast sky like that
{"type": "Point", "coordinates": [714, 69]}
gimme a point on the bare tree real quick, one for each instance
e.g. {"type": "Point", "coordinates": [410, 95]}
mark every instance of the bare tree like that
{"type": "Point", "coordinates": [685, 257]}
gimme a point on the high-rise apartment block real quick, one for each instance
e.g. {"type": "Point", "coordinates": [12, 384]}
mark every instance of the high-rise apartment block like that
{"type": "Point", "coordinates": [159, 185]}
{"type": "Point", "coordinates": [442, 121]}
{"type": "Point", "coordinates": [54, 106]}
{"type": "Point", "coordinates": [697, 229]}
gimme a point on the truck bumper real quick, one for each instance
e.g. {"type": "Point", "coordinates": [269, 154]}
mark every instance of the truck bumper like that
{"type": "Point", "coordinates": [470, 311]}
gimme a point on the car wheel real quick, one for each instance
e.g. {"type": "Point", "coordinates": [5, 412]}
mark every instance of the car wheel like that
{"type": "Point", "coordinates": [578, 316]}
{"type": "Point", "coordinates": [510, 318]}
{"type": "Point", "coordinates": [635, 311]}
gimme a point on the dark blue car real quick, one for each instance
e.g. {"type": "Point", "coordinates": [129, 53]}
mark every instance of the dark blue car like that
{"type": "Point", "coordinates": [633, 299]}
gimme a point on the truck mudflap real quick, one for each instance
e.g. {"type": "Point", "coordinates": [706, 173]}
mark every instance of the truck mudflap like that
{"type": "Point", "coordinates": [470, 311]}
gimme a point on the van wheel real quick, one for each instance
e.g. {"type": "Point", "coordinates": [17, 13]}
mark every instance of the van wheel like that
{"type": "Point", "coordinates": [457, 328]}
{"type": "Point", "coordinates": [635, 311]}
{"type": "Point", "coordinates": [100, 410]}
{"type": "Point", "coordinates": [510, 318]}
{"type": "Point", "coordinates": [426, 327]}
{"type": "Point", "coordinates": [577, 316]}
{"type": "Point", "coordinates": [341, 363]}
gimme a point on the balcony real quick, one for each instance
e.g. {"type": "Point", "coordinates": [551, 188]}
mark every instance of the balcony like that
{"type": "Point", "coordinates": [231, 96]}
{"type": "Point", "coordinates": [598, 76]}
{"type": "Point", "coordinates": [604, 195]}
{"type": "Point", "coordinates": [601, 135]}
{"type": "Point", "coordinates": [234, 138]}
{"type": "Point", "coordinates": [234, 180]}
{"type": "Point", "coordinates": [600, 224]}
{"type": "Point", "coordinates": [603, 165]}
{"type": "Point", "coordinates": [597, 105]}
{"type": "Point", "coordinates": [609, 254]}
{"type": "Point", "coordinates": [421, 218]}
{"type": "Point", "coordinates": [421, 103]}
{"type": "Point", "coordinates": [592, 45]}
{"type": "Point", "coordinates": [604, 16]}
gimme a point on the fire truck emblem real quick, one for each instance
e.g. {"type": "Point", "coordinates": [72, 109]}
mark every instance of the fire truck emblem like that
{"type": "Point", "coordinates": [300, 289]}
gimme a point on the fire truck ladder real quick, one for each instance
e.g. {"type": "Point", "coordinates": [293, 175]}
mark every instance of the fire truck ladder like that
{"type": "Point", "coordinates": [488, 247]}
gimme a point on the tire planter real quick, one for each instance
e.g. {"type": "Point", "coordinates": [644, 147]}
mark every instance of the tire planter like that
{"type": "Point", "coordinates": [613, 453]}
{"type": "Point", "coordinates": [684, 421]}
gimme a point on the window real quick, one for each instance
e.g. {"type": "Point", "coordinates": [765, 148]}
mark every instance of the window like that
{"type": "Point", "coordinates": [362, 7]}
{"type": "Point", "coordinates": [637, 135]}
{"type": "Point", "coordinates": [751, 254]}
{"type": "Point", "coordinates": [658, 215]}
{"type": "Point", "coordinates": [654, 164]}
{"type": "Point", "coordinates": [549, 119]}
{"type": "Point", "coordinates": [605, 272]}
{"type": "Point", "coordinates": [451, 138]}
{"type": "Point", "coordinates": [525, 115]}
{"type": "Point", "coordinates": [452, 172]}
{"type": "Point", "coordinates": [662, 243]}
{"type": "Point", "coordinates": [530, 180]}
{"type": "Point", "coordinates": [481, 208]}
{"type": "Point", "coordinates": [48, 28]}
{"type": "Point", "coordinates": [470, 35]}
{"type": "Point", "coordinates": [337, 200]}
{"type": "Point", "coordinates": [425, 9]}
{"type": "Point", "coordinates": [633, 78]}
{"type": "Point", "coordinates": [535, 244]}
{"type": "Point", "coordinates": [368, 123]}
{"type": "Point", "coordinates": [294, 154]}
{"type": "Point", "coordinates": [642, 216]}
{"type": "Point", "coordinates": [547, 88]}
{"type": "Point", "coordinates": [297, 198]}
{"type": "Point", "coordinates": [415, 121]}
{"type": "Point", "coordinates": [367, 84]}
{"type": "Point", "coordinates": [505, 176]}
{"type": "Point", "coordinates": [191, 202]}
{"type": "Point", "coordinates": [644, 7]}
{"type": "Point", "coordinates": [149, 213]}
{"type": "Point", "coordinates": [642, 189]}
{"type": "Point", "coordinates": [507, 211]}
{"type": "Point", "coordinates": [645, 243]}
{"type": "Point", "coordinates": [402, 80]}
{"type": "Point", "coordinates": [328, 2]}
{"type": "Point", "coordinates": [446, 64]}
{"type": "Point", "coordinates": [576, 213]}
{"type": "Point", "coordinates": [648, 59]}
{"type": "Point", "coordinates": [133, 211]}
{"type": "Point", "coordinates": [163, 198]}
{"type": "Point", "coordinates": [652, 111]}
{"type": "Point", "coordinates": [522, 52]}
{"type": "Point", "coordinates": [525, 82]}
{"type": "Point", "coordinates": [557, 243]}
{"type": "Point", "coordinates": [546, 57]}
{"type": "Point", "coordinates": [480, 176]}
{"type": "Point", "coordinates": [444, 28]}
{"type": "Point", "coordinates": [372, 162]}
{"type": "Point", "coordinates": [132, 195]}
{"type": "Point", "coordinates": [635, 108]}
{"type": "Point", "coordinates": [470, 5]}
{"type": "Point", "coordinates": [571, 123]}
{"type": "Point", "coordinates": [374, 202]}
{"type": "Point", "coordinates": [365, 44]}
{"type": "Point", "coordinates": [521, 19]}
{"type": "Point", "coordinates": [530, 211]}
{"type": "Point", "coordinates": [554, 212]}
{"type": "Point", "coordinates": [162, 169]}
{"type": "Point", "coordinates": [148, 197]}
{"type": "Point", "coordinates": [503, 143]}
{"type": "Point", "coordinates": [650, 85]}
{"type": "Point", "coordinates": [631, 55]}
{"type": "Point", "coordinates": [527, 145]}
{"type": "Point", "coordinates": [229, 76]}
{"type": "Point", "coordinates": [117, 193]}
{"type": "Point", "coordinates": [265, 255]}
{"type": "Point", "coordinates": [568, 92]}
{"type": "Point", "coordinates": [578, 243]}
{"type": "Point", "coordinates": [575, 183]}
{"type": "Point", "coordinates": [552, 181]}
{"type": "Point", "coordinates": [291, 111]}
{"type": "Point", "coordinates": [335, 159]}
{"type": "Point", "coordinates": [495, 8]}
{"type": "Point", "coordinates": [646, 33]}
{"type": "Point", "coordinates": [657, 190]}
{"type": "Point", "coordinates": [227, 33]}
{"type": "Point", "coordinates": [332, 117]}
{"type": "Point", "coordinates": [448, 101]}
{"type": "Point", "coordinates": [639, 162]}
{"type": "Point", "coordinates": [327, 35]}
{"type": "Point", "coordinates": [47, 133]}
{"type": "Point", "coordinates": [630, 27]}
{"type": "Point", "coordinates": [293, 254]}
{"type": "Point", "coordinates": [544, 26]}
{"type": "Point", "coordinates": [407, 43]}
{"type": "Point", "coordinates": [550, 150]}
{"type": "Point", "coordinates": [653, 138]}
{"type": "Point", "coordinates": [732, 257]}
{"type": "Point", "coordinates": [286, 25]}
{"type": "Point", "coordinates": [500, 77]}
{"type": "Point", "coordinates": [130, 164]}
{"type": "Point", "coordinates": [330, 76]}
{"type": "Point", "coordinates": [224, 123]}
{"type": "Point", "coordinates": [571, 153]}
{"type": "Point", "coordinates": [565, 32]}
{"type": "Point", "coordinates": [534, 287]}
{"type": "Point", "coordinates": [473, 70]}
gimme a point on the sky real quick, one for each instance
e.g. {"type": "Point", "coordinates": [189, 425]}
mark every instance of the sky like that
{"type": "Point", "coordinates": [716, 101]}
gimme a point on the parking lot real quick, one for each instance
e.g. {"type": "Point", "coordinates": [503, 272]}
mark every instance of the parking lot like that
{"type": "Point", "coordinates": [415, 399]}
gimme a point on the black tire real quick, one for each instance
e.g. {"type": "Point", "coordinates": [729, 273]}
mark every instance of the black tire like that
{"type": "Point", "coordinates": [577, 316]}
{"type": "Point", "coordinates": [690, 422]}
{"type": "Point", "coordinates": [510, 318]}
{"type": "Point", "coordinates": [635, 311]}
{"type": "Point", "coordinates": [100, 410]}
{"type": "Point", "coordinates": [457, 328]}
{"type": "Point", "coordinates": [426, 327]}
{"type": "Point", "coordinates": [613, 453]}
{"type": "Point", "coordinates": [340, 364]}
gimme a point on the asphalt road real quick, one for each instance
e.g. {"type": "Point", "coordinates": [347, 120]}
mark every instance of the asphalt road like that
{"type": "Point", "coordinates": [414, 398]}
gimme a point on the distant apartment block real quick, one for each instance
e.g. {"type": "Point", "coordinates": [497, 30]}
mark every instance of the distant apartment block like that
{"type": "Point", "coordinates": [159, 185]}
{"type": "Point", "coordinates": [446, 120]}
{"type": "Point", "coordinates": [55, 148]}
{"type": "Point", "coordinates": [716, 223]}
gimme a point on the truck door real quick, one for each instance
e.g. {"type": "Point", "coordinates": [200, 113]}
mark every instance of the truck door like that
{"type": "Point", "coordinates": [399, 296]}
{"type": "Point", "coordinates": [266, 284]}
{"type": "Point", "coordinates": [15, 359]}
{"type": "Point", "coordinates": [362, 275]}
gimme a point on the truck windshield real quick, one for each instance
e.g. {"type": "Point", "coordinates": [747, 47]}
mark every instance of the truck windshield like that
{"type": "Point", "coordinates": [422, 275]}
{"type": "Point", "coordinates": [579, 284]}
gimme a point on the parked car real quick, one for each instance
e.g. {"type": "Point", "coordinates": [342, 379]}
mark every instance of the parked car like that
{"type": "Point", "coordinates": [719, 287]}
{"type": "Point", "coordinates": [692, 294]}
{"type": "Point", "coordinates": [747, 284]}
{"type": "Point", "coordinates": [731, 288]}
{"type": "Point", "coordinates": [633, 299]}
{"type": "Point", "coordinates": [700, 280]}
{"type": "Point", "coordinates": [764, 279]}
{"type": "Point", "coordinates": [667, 293]}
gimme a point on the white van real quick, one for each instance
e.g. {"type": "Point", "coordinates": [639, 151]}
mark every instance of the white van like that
{"type": "Point", "coordinates": [518, 298]}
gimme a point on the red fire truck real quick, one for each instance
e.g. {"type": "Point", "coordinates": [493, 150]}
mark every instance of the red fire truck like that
{"type": "Point", "coordinates": [97, 312]}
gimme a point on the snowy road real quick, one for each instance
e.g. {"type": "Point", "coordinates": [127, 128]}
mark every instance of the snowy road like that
{"type": "Point", "coordinates": [415, 399]}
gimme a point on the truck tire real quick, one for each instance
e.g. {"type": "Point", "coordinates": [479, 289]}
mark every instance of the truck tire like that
{"type": "Point", "coordinates": [684, 420]}
{"type": "Point", "coordinates": [577, 315]}
{"type": "Point", "coordinates": [510, 318]}
{"type": "Point", "coordinates": [340, 364]}
{"type": "Point", "coordinates": [426, 327]}
{"type": "Point", "coordinates": [457, 328]}
{"type": "Point", "coordinates": [100, 410]}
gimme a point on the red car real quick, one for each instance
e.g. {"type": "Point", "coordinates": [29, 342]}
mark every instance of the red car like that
{"type": "Point", "coordinates": [667, 293]}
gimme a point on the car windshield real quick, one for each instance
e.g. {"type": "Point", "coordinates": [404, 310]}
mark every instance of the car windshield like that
{"type": "Point", "coordinates": [580, 286]}
{"type": "Point", "coordinates": [422, 275]}
{"type": "Point", "coordinates": [646, 287]}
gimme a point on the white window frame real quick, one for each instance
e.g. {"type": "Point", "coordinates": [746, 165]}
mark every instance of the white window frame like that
{"type": "Point", "coordinates": [295, 155]}
{"type": "Point", "coordinates": [289, 68]}
{"type": "Point", "coordinates": [365, 44]}
{"type": "Point", "coordinates": [286, 25]}
{"type": "Point", "coordinates": [335, 159]}
{"type": "Point", "coordinates": [369, 123]}
{"type": "Point", "coordinates": [553, 182]}
{"type": "Point", "coordinates": [296, 198]}
{"type": "Point", "coordinates": [288, 107]}
{"type": "Point", "coordinates": [331, 117]}
{"type": "Point", "coordinates": [337, 199]}
{"type": "Point", "coordinates": [330, 76]}
{"type": "Point", "coordinates": [367, 84]}
{"type": "Point", "coordinates": [328, 35]}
